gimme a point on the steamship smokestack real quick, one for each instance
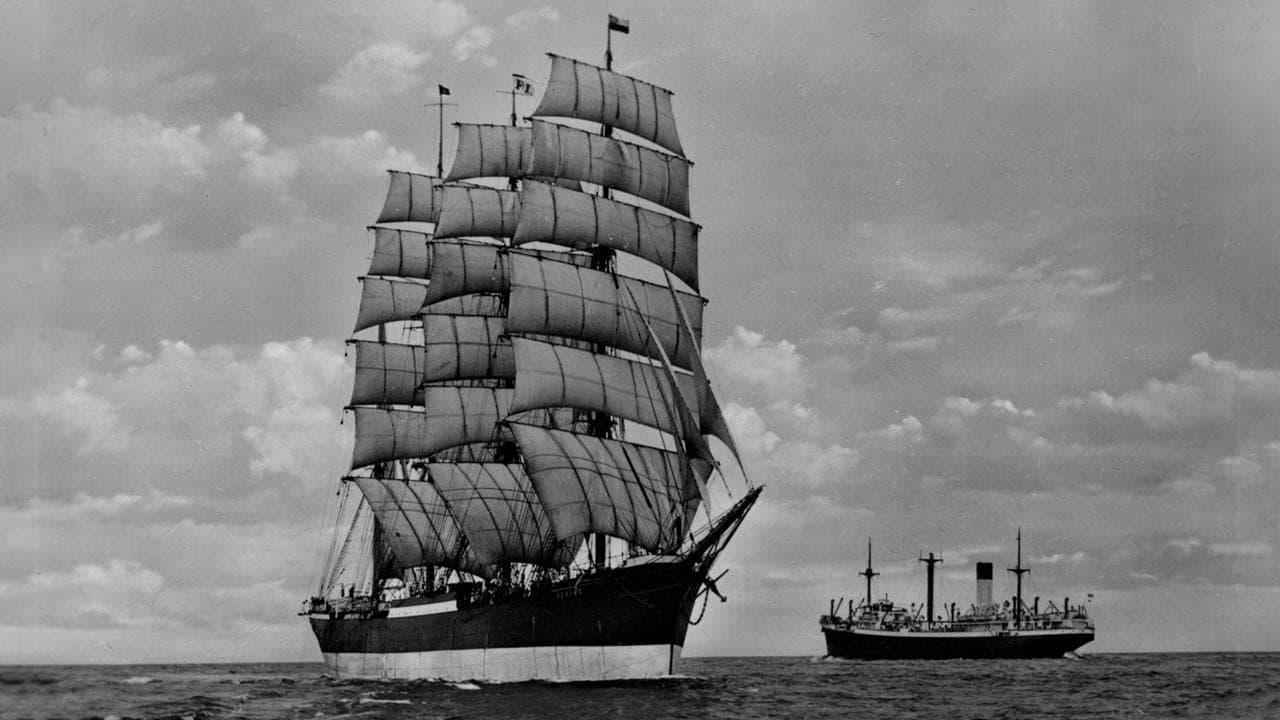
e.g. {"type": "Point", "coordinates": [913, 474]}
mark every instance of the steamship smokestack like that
{"type": "Point", "coordinates": [984, 585]}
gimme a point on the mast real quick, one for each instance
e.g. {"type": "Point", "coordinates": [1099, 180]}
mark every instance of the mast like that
{"type": "Point", "coordinates": [868, 573]}
{"type": "Point", "coordinates": [602, 258]}
{"type": "Point", "coordinates": [1018, 570]}
{"type": "Point", "coordinates": [442, 91]}
{"type": "Point", "coordinates": [930, 561]}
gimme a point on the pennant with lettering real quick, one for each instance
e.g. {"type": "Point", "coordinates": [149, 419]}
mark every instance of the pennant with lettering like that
{"type": "Point", "coordinates": [523, 86]}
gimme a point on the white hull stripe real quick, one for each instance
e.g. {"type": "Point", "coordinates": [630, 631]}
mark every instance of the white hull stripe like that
{"type": "Point", "coordinates": [613, 662]}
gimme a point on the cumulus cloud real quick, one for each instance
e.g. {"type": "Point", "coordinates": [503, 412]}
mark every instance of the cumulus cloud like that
{"type": "Point", "coordinates": [772, 370]}
{"type": "Point", "coordinates": [205, 421]}
{"type": "Point", "coordinates": [68, 162]}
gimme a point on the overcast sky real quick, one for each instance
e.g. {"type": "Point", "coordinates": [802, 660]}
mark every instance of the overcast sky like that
{"type": "Point", "coordinates": [971, 267]}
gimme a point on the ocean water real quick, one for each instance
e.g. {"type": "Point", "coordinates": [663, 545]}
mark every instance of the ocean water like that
{"type": "Point", "coordinates": [1209, 685]}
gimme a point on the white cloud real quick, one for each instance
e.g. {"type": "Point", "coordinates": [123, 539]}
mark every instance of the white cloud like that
{"type": "Point", "coordinates": [473, 43]}
{"type": "Point", "coordinates": [527, 17]}
{"type": "Point", "coordinates": [259, 162]}
{"type": "Point", "coordinates": [774, 370]}
{"type": "Point", "coordinates": [63, 158]}
{"type": "Point", "coordinates": [385, 70]}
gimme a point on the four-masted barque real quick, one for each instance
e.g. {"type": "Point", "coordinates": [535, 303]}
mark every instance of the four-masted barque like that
{"type": "Point", "coordinates": [532, 421]}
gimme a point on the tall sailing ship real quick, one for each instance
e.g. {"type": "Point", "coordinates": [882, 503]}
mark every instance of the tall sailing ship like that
{"type": "Point", "coordinates": [528, 495]}
{"type": "Point", "coordinates": [882, 630]}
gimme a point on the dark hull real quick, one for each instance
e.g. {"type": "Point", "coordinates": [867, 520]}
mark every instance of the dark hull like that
{"type": "Point", "coordinates": [856, 644]}
{"type": "Point", "coordinates": [626, 622]}
{"type": "Point", "coordinates": [643, 605]}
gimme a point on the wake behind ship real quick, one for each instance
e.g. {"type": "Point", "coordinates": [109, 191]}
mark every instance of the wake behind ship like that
{"type": "Point", "coordinates": [504, 525]}
{"type": "Point", "coordinates": [880, 630]}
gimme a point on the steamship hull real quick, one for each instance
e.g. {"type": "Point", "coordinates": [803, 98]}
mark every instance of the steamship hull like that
{"type": "Point", "coordinates": [864, 644]}
{"type": "Point", "coordinates": [627, 622]}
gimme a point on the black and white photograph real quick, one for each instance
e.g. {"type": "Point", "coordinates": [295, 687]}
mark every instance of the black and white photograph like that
{"type": "Point", "coordinates": [652, 358]}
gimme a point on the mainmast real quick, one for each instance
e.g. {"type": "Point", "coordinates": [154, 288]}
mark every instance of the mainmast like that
{"type": "Point", "coordinates": [930, 561]}
{"type": "Point", "coordinates": [602, 258]}
{"type": "Point", "coordinates": [868, 573]}
{"type": "Point", "coordinates": [1018, 570]}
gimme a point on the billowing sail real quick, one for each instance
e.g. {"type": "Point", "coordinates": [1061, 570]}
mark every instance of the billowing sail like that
{"type": "Point", "coordinates": [500, 514]}
{"type": "Point", "coordinates": [580, 220]}
{"type": "Point", "coordinates": [418, 525]}
{"type": "Point", "coordinates": [591, 484]}
{"type": "Point", "coordinates": [550, 375]}
{"type": "Point", "coordinates": [383, 301]}
{"type": "Point", "coordinates": [464, 267]}
{"type": "Point", "coordinates": [412, 197]}
{"type": "Point", "coordinates": [586, 92]}
{"type": "Point", "coordinates": [562, 151]}
{"type": "Point", "coordinates": [400, 253]}
{"type": "Point", "coordinates": [489, 151]}
{"type": "Point", "coordinates": [455, 347]}
{"type": "Point", "coordinates": [596, 306]}
{"type": "Point", "coordinates": [458, 416]}
{"type": "Point", "coordinates": [470, 211]}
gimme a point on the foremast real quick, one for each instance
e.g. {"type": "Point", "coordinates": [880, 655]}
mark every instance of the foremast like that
{"type": "Point", "coordinates": [517, 360]}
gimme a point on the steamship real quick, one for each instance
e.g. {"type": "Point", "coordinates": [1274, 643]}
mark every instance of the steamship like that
{"type": "Point", "coordinates": [882, 630]}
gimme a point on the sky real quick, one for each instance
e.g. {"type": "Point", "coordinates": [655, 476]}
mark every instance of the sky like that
{"type": "Point", "coordinates": [972, 267]}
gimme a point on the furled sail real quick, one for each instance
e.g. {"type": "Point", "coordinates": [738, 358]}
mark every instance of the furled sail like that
{"type": "Point", "coordinates": [412, 197]}
{"type": "Point", "coordinates": [489, 151]}
{"type": "Point", "coordinates": [590, 484]}
{"type": "Point", "coordinates": [562, 151]}
{"type": "Point", "coordinates": [455, 347]}
{"type": "Point", "coordinates": [500, 514]}
{"type": "Point", "coordinates": [417, 523]}
{"type": "Point", "coordinates": [550, 375]}
{"type": "Point", "coordinates": [586, 92]}
{"type": "Point", "coordinates": [459, 416]}
{"type": "Point", "coordinates": [383, 300]}
{"type": "Point", "coordinates": [596, 306]}
{"type": "Point", "coordinates": [400, 253]}
{"type": "Point", "coordinates": [580, 220]}
{"type": "Point", "coordinates": [470, 211]}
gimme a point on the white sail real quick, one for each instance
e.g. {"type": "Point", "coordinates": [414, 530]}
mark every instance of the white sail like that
{"type": "Point", "coordinates": [418, 525]}
{"type": "Point", "coordinates": [464, 267]}
{"type": "Point", "coordinates": [471, 211]}
{"type": "Point", "coordinates": [461, 346]}
{"type": "Point", "coordinates": [581, 220]}
{"type": "Point", "coordinates": [383, 300]}
{"type": "Point", "coordinates": [489, 151]}
{"type": "Point", "coordinates": [387, 373]}
{"type": "Point", "coordinates": [586, 92]}
{"type": "Point", "coordinates": [399, 253]}
{"type": "Point", "coordinates": [457, 416]}
{"type": "Point", "coordinates": [500, 514]}
{"type": "Point", "coordinates": [596, 306]}
{"type": "Point", "coordinates": [591, 484]}
{"type": "Point", "coordinates": [455, 347]}
{"type": "Point", "coordinates": [412, 197]}
{"type": "Point", "coordinates": [550, 375]}
{"type": "Point", "coordinates": [561, 151]}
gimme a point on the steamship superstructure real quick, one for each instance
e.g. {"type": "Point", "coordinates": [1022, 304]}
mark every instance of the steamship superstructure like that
{"type": "Point", "coordinates": [880, 629]}
{"type": "Point", "coordinates": [506, 525]}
